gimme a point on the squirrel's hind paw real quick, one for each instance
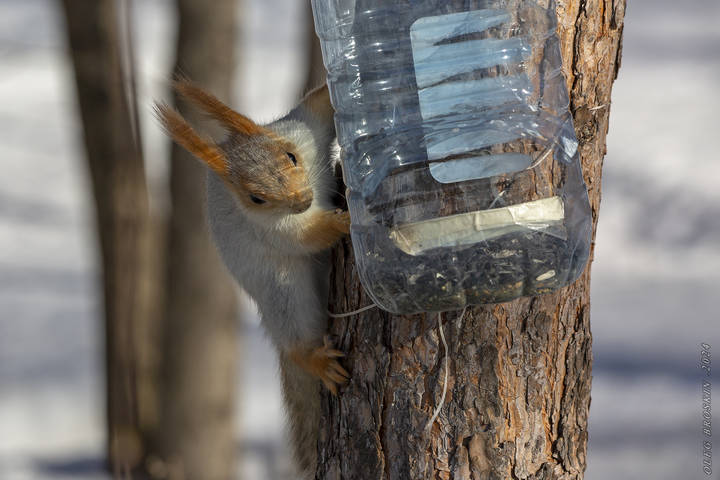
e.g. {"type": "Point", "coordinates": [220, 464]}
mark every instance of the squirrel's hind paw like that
{"type": "Point", "coordinates": [322, 363]}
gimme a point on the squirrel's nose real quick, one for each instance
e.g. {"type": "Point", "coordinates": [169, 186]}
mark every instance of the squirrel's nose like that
{"type": "Point", "coordinates": [299, 191]}
{"type": "Point", "coordinates": [301, 201]}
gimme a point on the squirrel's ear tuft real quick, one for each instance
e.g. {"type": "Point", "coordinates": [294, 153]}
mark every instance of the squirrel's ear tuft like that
{"type": "Point", "coordinates": [318, 102]}
{"type": "Point", "coordinates": [231, 119]}
{"type": "Point", "coordinates": [185, 136]}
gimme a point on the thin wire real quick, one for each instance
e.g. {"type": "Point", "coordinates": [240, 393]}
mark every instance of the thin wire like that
{"type": "Point", "coordinates": [447, 368]}
{"type": "Point", "coordinates": [460, 318]}
{"type": "Point", "coordinates": [599, 107]}
{"type": "Point", "coordinates": [354, 312]}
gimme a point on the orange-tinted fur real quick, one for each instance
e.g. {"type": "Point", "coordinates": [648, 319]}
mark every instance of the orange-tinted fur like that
{"type": "Point", "coordinates": [276, 179]}
{"type": "Point", "coordinates": [322, 363]}
{"type": "Point", "coordinates": [324, 229]}
{"type": "Point", "coordinates": [218, 110]}
{"type": "Point", "coordinates": [180, 131]}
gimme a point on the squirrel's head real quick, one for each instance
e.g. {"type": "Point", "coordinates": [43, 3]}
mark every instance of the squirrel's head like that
{"type": "Point", "coordinates": [264, 170]}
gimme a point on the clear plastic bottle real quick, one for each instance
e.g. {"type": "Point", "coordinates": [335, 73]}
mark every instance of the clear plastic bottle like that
{"type": "Point", "coordinates": [458, 150]}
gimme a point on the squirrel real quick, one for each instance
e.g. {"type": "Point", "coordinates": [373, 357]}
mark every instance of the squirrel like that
{"type": "Point", "coordinates": [271, 216]}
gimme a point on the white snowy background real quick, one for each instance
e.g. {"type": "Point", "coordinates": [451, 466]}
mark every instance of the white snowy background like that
{"type": "Point", "coordinates": [656, 274]}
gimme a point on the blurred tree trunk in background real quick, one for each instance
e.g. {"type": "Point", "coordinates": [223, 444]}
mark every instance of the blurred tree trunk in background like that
{"type": "Point", "coordinates": [190, 423]}
{"type": "Point", "coordinates": [197, 435]}
{"type": "Point", "coordinates": [520, 372]}
{"type": "Point", "coordinates": [116, 167]}
{"type": "Point", "coordinates": [316, 70]}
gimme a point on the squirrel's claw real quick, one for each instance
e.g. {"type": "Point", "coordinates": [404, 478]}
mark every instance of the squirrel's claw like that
{"type": "Point", "coordinates": [322, 363]}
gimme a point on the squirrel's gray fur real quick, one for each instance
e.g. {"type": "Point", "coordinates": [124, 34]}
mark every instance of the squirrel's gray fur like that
{"type": "Point", "coordinates": [288, 284]}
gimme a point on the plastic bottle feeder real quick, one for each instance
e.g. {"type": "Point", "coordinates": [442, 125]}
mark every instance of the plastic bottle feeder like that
{"type": "Point", "coordinates": [458, 150]}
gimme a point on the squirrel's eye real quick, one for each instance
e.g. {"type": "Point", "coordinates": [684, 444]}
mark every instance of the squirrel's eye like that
{"type": "Point", "coordinates": [292, 158]}
{"type": "Point", "coordinates": [257, 200]}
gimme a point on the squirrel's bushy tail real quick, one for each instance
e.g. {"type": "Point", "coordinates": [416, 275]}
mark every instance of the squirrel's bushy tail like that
{"type": "Point", "coordinates": [301, 394]}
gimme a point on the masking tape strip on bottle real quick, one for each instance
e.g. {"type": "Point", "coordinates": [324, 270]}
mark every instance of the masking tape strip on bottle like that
{"type": "Point", "coordinates": [473, 227]}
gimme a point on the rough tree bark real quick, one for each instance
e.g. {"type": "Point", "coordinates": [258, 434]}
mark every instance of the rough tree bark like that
{"type": "Point", "coordinates": [197, 435]}
{"type": "Point", "coordinates": [520, 372]}
{"type": "Point", "coordinates": [118, 179]}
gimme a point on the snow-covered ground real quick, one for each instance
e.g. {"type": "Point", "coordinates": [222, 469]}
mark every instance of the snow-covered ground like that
{"type": "Point", "coordinates": [655, 276]}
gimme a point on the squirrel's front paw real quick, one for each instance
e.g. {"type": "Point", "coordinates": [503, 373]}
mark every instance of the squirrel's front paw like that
{"type": "Point", "coordinates": [342, 218]}
{"type": "Point", "coordinates": [322, 363]}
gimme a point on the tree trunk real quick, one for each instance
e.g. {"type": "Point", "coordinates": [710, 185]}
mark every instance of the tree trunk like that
{"type": "Point", "coordinates": [118, 178]}
{"type": "Point", "coordinates": [316, 69]}
{"type": "Point", "coordinates": [518, 391]}
{"type": "Point", "coordinates": [197, 435]}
